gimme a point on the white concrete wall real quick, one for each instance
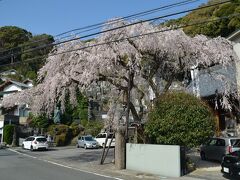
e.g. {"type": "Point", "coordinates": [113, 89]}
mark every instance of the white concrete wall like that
{"type": "Point", "coordinates": [1, 129]}
{"type": "Point", "coordinates": [236, 48]}
{"type": "Point", "coordinates": [1, 124]}
{"type": "Point", "coordinates": [155, 159]}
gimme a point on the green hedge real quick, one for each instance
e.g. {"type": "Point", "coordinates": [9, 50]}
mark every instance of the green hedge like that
{"type": "Point", "coordinates": [93, 127]}
{"type": "Point", "coordinates": [8, 131]}
{"type": "Point", "coordinates": [63, 133]}
{"type": "Point", "coordinates": [181, 119]}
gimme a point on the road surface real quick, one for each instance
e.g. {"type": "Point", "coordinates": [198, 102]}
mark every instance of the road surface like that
{"type": "Point", "coordinates": [16, 166]}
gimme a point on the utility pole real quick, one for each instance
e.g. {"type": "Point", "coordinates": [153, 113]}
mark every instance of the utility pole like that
{"type": "Point", "coordinates": [128, 103]}
{"type": "Point", "coordinates": [130, 80]}
{"type": "Point", "coordinates": [122, 131]}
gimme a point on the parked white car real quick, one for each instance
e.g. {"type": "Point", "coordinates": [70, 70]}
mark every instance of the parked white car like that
{"type": "Point", "coordinates": [35, 143]}
{"type": "Point", "coordinates": [101, 138]}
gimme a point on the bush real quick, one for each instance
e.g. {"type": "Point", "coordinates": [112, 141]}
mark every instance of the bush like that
{"type": "Point", "coordinates": [39, 121]}
{"type": "Point", "coordinates": [181, 119]}
{"type": "Point", "coordinates": [61, 140]}
{"type": "Point", "coordinates": [63, 134]}
{"type": "Point", "coordinates": [76, 129]}
{"type": "Point", "coordinates": [58, 129]}
{"type": "Point", "coordinates": [8, 133]}
{"type": "Point", "coordinates": [93, 127]}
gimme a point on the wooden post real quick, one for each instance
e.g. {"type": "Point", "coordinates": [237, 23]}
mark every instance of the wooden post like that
{"type": "Point", "coordinates": [120, 148]}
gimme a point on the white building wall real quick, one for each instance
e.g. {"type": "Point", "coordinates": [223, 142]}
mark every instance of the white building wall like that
{"type": "Point", "coordinates": [11, 87]}
{"type": "Point", "coordinates": [29, 84]}
{"type": "Point", "coordinates": [236, 48]}
{"type": "Point", "coordinates": [204, 82]}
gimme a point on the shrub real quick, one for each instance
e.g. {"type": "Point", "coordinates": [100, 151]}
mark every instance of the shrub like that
{"type": "Point", "coordinates": [61, 140]}
{"type": "Point", "coordinates": [8, 133]}
{"type": "Point", "coordinates": [39, 121]}
{"type": "Point", "coordinates": [63, 134]}
{"type": "Point", "coordinates": [58, 129]}
{"type": "Point", "coordinates": [181, 119]}
{"type": "Point", "coordinates": [76, 128]}
{"type": "Point", "coordinates": [93, 127]}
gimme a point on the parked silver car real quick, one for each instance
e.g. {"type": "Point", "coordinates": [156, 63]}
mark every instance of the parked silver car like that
{"type": "Point", "coordinates": [87, 142]}
{"type": "Point", "coordinates": [216, 148]}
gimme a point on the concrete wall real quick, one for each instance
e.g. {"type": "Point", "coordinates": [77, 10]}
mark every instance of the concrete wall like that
{"type": "Point", "coordinates": [236, 48]}
{"type": "Point", "coordinates": [155, 159]}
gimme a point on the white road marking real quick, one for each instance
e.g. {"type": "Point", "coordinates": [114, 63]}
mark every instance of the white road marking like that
{"type": "Point", "coordinates": [69, 167]}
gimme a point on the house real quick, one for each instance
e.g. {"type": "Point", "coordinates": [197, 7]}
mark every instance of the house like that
{"type": "Point", "coordinates": [206, 87]}
{"type": "Point", "coordinates": [4, 75]}
{"type": "Point", "coordinates": [28, 82]}
{"type": "Point", "coordinates": [8, 72]}
{"type": "Point", "coordinates": [18, 114]}
{"type": "Point", "coordinates": [209, 88]}
{"type": "Point", "coordinates": [10, 86]}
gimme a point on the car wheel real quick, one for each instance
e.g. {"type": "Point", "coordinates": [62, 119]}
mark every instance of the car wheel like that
{"type": "Point", "coordinates": [31, 148]}
{"type": "Point", "coordinates": [85, 146]}
{"type": "Point", "coordinates": [77, 145]}
{"type": "Point", "coordinates": [23, 146]}
{"type": "Point", "coordinates": [203, 156]}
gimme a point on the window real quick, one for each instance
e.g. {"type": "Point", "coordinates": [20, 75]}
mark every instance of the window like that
{"type": "Point", "coordinates": [30, 139]}
{"type": "Point", "coordinates": [220, 142]}
{"type": "Point", "coordinates": [88, 138]}
{"type": "Point", "coordinates": [41, 139]}
{"type": "Point", "coordinates": [235, 142]}
{"type": "Point", "coordinates": [101, 136]}
{"type": "Point", "coordinates": [212, 142]}
{"type": "Point", "coordinates": [111, 135]}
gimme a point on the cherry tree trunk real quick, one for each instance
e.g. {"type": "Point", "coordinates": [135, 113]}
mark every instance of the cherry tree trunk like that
{"type": "Point", "coordinates": [120, 148]}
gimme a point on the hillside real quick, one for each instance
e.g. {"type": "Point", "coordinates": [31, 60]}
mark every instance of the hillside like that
{"type": "Point", "coordinates": [223, 27]}
{"type": "Point", "coordinates": [14, 42]}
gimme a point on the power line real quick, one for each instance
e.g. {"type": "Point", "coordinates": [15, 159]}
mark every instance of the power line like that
{"type": "Point", "coordinates": [101, 24]}
{"type": "Point", "coordinates": [120, 27]}
{"type": "Point", "coordinates": [150, 33]}
{"type": "Point", "coordinates": [131, 37]}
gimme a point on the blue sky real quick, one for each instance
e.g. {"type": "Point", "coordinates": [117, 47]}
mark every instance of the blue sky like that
{"type": "Point", "coordinates": [57, 16]}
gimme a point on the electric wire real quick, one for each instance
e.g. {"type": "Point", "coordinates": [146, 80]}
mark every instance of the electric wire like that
{"type": "Point", "coordinates": [101, 24]}
{"type": "Point", "coordinates": [116, 28]}
{"type": "Point", "coordinates": [131, 37]}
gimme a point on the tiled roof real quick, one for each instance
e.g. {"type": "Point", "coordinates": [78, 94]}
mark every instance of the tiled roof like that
{"type": "Point", "coordinates": [232, 35]}
{"type": "Point", "coordinates": [8, 82]}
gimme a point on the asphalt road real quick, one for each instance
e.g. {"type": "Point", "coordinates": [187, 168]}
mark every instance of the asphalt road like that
{"type": "Point", "coordinates": [16, 166]}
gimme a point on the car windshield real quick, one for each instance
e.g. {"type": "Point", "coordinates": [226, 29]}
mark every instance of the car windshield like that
{"type": "Point", "coordinates": [41, 139]}
{"type": "Point", "coordinates": [111, 135]}
{"type": "Point", "coordinates": [235, 142]}
{"type": "Point", "coordinates": [89, 138]}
